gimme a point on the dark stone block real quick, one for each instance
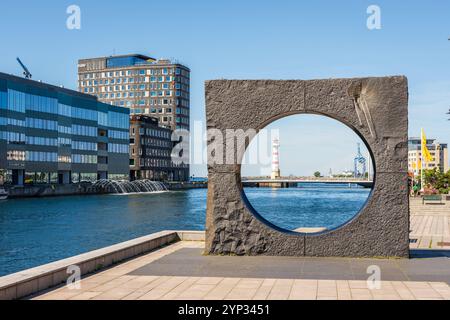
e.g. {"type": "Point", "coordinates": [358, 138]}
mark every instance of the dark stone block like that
{"type": "Point", "coordinates": [375, 108]}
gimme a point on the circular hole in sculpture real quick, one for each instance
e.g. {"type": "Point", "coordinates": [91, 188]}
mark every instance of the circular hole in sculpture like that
{"type": "Point", "coordinates": [307, 174]}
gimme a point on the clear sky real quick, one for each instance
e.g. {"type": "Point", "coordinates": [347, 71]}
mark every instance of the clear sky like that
{"type": "Point", "coordinates": [308, 143]}
{"type": "Point", "coordinates": [253, 39]}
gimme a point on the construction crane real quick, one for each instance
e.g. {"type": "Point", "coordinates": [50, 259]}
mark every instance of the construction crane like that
{"type": "Point", "coordinates": [360, 164]}
{"type": "Point", "coordinates": [26, 72]}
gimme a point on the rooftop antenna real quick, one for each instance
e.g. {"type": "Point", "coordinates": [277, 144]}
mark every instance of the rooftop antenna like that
{"type": "Point", "coordinates": [26, 73]}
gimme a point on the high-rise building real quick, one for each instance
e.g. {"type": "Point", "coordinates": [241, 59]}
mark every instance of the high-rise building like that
{"type": "Point", "coordinates": [150, 151]}
{"type": "Point", "coordinates": [439, 152]}
{"type": "Point", "coordinates": [49, 134]}
{"type": "Point", "coordinates": [158, 88]}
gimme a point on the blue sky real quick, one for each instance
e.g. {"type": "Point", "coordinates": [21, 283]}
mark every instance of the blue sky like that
{"type": "Point", "coordinates": [246, 40]}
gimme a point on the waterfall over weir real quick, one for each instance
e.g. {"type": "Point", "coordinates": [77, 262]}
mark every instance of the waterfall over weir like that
{"type": "Point", "coordinates": [125, 187]}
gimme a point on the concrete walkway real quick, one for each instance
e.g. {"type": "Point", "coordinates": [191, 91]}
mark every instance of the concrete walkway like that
{"type": "Point", "coordinates": [430, 225]}
{"type": "Point", "coordinates": [159, 275]}
{"type": "Point", "coordinates": [180, 271]}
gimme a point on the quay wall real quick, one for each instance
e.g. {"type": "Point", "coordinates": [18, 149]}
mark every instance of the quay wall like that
{"type": "Point", "coordinates": [82, 189]}
{"type": "Point", "coordinates": [51, 190]}
{"type": "Point", "coordinates": [32, 281]}
{"type": "Point", "coordinates": [186, 185]}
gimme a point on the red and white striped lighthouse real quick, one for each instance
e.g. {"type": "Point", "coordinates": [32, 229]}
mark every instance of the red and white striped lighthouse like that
{"type": "Point", "coordinates": [276, 159]}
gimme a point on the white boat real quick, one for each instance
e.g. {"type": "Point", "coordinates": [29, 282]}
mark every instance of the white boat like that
{"type": "Point", "coordinates": [3, 194]}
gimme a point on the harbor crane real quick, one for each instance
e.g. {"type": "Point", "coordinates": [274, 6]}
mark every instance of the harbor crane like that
{"type": "Point", "coordinates": [26, 72]}
{"type": "Point", "coordinates": [360, 164]}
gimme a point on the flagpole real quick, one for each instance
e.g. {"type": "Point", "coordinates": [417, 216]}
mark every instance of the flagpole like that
{"type": "Point", "coordinates": [422, 182]}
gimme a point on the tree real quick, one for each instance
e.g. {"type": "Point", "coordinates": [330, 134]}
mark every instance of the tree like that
{"type": "Point", "coordinates": [437, 181]}
{"type": "Point", "coordinates": [317, 174]}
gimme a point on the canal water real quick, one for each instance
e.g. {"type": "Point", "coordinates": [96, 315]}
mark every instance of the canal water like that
{"type": "Point", "coordinates": [42, 230]}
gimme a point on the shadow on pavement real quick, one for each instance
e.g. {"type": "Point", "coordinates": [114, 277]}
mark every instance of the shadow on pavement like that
{"type": "Point", "coordinates": [418, 253]}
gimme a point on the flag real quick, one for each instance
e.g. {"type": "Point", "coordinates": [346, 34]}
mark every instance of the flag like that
{"type": "Point", "coordinates": [425, 152]}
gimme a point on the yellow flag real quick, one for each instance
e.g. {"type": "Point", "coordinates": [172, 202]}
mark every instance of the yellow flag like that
{"type": "Point", "coordinates": [425, 152]}
{"type": "Point", "coordinates": [414, 166]}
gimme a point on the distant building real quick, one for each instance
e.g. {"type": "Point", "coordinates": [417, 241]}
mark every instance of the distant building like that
{"type": "Point", "coordinates": [158, 88]}
{"type": "Point", "coordinates": [439, 152]}
{"type": "Point", "coordinates": [344, 174]}
{"type": "Point", "coordinates": [150, 151]}
{"type": "Point", "coordinates": [54, 135]}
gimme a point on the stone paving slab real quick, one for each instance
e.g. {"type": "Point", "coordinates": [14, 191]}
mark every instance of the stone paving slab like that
{"type": "Point", "coordinates": [430, 225]}
{"type": "Point", "coordinates": [191, 262]}
{"type": "Point", "coordinates": [138, 280]}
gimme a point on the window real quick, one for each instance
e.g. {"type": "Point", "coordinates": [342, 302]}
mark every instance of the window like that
{"type": "Point", "coordinates": [14, 155]}
{"type": "Point", "coordinates": [64, 159]}
{"type": "Point", "coordinates": [84, 158]}
{"type": "Point", "coordinates": [41, 124]}
{"type": "Point", "coordinates": [122, 135]}
{"type": "Point", "coordinates": [16, 101]}
{"type": "Point", "coordinates": [81, 130]}
{"type": "Point", "coordinates": [3, 100]}
{"type": "Point", "coordinates": [41, 141]}
{"type": "Point", "coordinates": [37, 156]}
{"type": "Point", "coordinates": [118, 148]}
{"type": "Point", "coordinates": [62, 141]}
{"type": "Point", "coordinates": [84, 145]}
{"type": "Point", "coordinates": [41, 104]}
{"type": "Point", "coordinates": [15, 137]}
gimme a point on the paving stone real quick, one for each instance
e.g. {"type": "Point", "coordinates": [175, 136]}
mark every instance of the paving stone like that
{"type": "Point", "coordinates": [289, 284]}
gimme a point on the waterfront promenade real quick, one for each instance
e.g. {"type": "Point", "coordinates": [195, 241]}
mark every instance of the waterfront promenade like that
{"type": "Point", "coordinates": [430, 225]}
{"type": "Point", "coordinates": [163, 275]}
{"type": "Point", "coordinates": [180, 271]}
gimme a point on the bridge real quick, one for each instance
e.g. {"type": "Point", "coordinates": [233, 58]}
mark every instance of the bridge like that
{"type": "Point", "coordinates": [292, 182]}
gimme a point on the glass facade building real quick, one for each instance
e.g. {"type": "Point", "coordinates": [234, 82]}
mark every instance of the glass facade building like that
{"type": "Point", "coordinates": [51, 135]}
